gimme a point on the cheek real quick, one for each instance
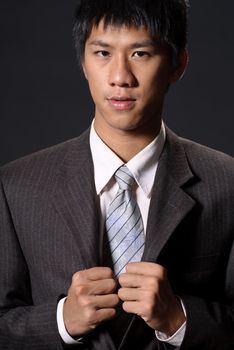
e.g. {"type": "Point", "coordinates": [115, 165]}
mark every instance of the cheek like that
{"type": "Point", "coordinates": [154, 90]}
{"type": "Point", "coordinates": [155, 81]}
{"type": "Point", "coordinates": [95, 82]}
{"type": "Point", "coordinates": [94, 87]}
{"type": "Point", "coordinates": [162, 78]}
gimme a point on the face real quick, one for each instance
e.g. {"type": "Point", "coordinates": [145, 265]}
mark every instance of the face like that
{"type": "Point", "coordinates": [128, 76]}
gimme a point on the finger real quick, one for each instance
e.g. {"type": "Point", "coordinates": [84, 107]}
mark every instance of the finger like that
{"type": "Point", "coordinates": [99, 273]}
{"type": "Point", "coordinates": [133, 307]}
{"type": "Point", "coordinates": [100, 287]}
{"type": "Point", "coordinates": [107, 286]}
{"type": "Point", "coordinates": [129, 294]}
{"type": "Point", "coordinates": [96, 273]}
{"type": "Point", "coordinates": [93, 274]}
{"type": "Point", "coordinates": [100, 315]}
{"type": "Point", "coordinates": [106, 301]}
{"type": "Point", "coordinates": [146, 269]}
{"type": "Point", "coordinates": [105, 314]}
{"type": "Point", "coordinates": [130, 280]}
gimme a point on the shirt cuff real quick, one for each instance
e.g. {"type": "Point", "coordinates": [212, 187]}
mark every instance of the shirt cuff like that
{"type": "Point", "coordinates": [177, 338]}
{"type": "Point", "coordinates": [61, 326]}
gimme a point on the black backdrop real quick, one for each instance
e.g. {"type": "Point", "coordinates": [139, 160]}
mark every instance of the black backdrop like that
{"type": "Point", "coordinates": [44, 98]}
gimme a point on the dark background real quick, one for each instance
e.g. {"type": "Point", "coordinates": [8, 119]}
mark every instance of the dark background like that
{"type": "Point", "coordinates": [44, 98]}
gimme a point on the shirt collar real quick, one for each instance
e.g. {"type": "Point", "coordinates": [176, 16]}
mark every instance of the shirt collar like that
{"type": "Point", "coordinates": [143, 165]}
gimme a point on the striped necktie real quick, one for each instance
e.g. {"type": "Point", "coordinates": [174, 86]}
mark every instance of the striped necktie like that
{"type": "Point", "coordinates": [124, 224]}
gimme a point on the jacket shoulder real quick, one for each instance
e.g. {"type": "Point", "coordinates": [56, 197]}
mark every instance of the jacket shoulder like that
{"type": "Point", "coordinates": [44, 163]}
{"type": "Point", "coordinates": [208, 160]}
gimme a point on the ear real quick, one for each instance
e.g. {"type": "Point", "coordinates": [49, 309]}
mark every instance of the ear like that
{"type": "Point", "coordinates": [84, 70]}
{"type": "Point", "coordinates": [179, 71]}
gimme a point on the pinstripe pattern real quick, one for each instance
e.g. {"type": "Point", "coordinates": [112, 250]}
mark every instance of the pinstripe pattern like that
{"type": "Point", "coordinates": [124, 224]}
{"type": "Point", "coordinates": [49, 229]}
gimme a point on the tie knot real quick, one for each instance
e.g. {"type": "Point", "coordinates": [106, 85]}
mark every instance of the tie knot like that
{"type": "Point", "coordinates": [124, 178]}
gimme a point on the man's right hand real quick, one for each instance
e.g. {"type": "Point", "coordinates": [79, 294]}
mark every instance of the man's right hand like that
{"type": "Point", "coordinates": [92, 299]}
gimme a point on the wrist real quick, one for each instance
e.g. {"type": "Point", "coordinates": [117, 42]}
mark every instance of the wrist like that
{"type": "Point", "coordinates": [67, 339]}
{"type": "Point", "coordinates": [175, 321]}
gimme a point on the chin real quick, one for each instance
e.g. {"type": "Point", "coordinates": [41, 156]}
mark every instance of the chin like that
{"type": "Point", "coordinates": [126, 123]}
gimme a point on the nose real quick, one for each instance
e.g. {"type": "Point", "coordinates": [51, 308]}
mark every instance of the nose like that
{"type": "Point", "coordinates": [121, 73]}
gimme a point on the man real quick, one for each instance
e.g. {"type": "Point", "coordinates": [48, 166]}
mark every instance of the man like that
{"type": "Point", "coordinates": [130, 183]}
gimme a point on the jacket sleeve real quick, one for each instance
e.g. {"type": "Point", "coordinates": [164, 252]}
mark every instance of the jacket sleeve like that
{"type": "Point", "coordinates": [22, 324]}
{"type": "Point", "coordinates": [210, 324]}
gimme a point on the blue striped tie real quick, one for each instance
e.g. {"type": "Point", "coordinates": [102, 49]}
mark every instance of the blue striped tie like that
{"type": "Point", "coordinates": [124, 224]}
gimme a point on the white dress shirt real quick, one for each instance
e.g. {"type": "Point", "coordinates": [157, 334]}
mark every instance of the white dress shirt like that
{"type": "Point", "coordinates": [143, 167]}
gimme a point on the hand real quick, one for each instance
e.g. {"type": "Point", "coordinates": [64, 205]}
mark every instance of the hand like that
{"type": "Point", "coordinates": [146, 292]}
{"type": "Point", "coordinates": [91, 300]}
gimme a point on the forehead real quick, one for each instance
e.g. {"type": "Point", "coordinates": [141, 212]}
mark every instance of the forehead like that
{"type": "Point", "coordinates": [113, 34]}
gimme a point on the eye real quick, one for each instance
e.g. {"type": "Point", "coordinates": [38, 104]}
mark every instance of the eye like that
{"type": "Point", "coordinates": [140, 54]}
{"type": "Point", "coordinates": [102, 53]}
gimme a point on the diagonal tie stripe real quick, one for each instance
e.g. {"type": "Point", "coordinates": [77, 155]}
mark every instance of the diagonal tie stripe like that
{"type": "Point", "coordinates": [120, 223]}
{"type": "Point", "coordinates": [124, 180]}
{"type": "Point", "coordinates": [118, 207]}
{"type": "Point", "coordinates": [137, 254]}
{"type": "Point", "coordinates": [125, 237]}
{"type": "Point", "coordinates": [124, 224]}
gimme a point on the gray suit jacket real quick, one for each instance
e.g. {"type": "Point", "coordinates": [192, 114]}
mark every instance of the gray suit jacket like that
{"type": "Point", "coordinates": [49, 230]}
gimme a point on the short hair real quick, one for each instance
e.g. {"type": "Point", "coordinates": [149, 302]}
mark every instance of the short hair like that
{"type": "Point", "coordinates": [166, 20]}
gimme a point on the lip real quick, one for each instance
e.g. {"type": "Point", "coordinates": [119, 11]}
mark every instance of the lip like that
{"type": "Point", "coordinates": [122, 102]}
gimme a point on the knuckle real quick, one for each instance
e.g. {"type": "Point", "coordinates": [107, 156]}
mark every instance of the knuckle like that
{"type": "Point", "coordinates": [123, 280]}
{"type": "Point", "coordinates": [76, 277]}
{"type": "Point", "coordinates": [111, 284]}
{"type": "Point", "coordinates": [90, 317]}
{"type": "Point", "coordinates": [115, 299]}
{"type": "Point", "coordinates": [121, 293]}
{"type": "Point", "coordinates": [111, 313]}
{"type": "Point", "coordinates": [153, 283]}
{"type": "Point", "coordinates": [162, 273]}
{"type": "Point", "coordinates": [80, 290]}
{"type": "Point", "coordinates": [125, 306]}
{"type": "Point", "coordinates": [87, 303]}
{"type": "Point", "coordinates": [149, 310]}
{"type": "Point", "coordinates": [108, 272]}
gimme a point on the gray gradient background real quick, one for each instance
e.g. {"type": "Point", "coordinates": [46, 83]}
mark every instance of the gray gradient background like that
{"type": "Point", "coordinates": [44, 99]}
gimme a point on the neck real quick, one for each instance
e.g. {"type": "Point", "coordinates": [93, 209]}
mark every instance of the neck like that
{"type": "Point", "coordinates": [126, 144]}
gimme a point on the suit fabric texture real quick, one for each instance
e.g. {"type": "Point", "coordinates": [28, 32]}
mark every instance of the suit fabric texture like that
{"type": "Point", "coordinates": [49, 227]}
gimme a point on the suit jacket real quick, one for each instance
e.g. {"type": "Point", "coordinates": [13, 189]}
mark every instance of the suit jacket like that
{"type": "Point", "coordinates": [49, 229]}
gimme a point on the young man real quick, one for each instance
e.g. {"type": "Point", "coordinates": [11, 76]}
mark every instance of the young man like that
{"type": "Point", "coordinates": [123, 237]}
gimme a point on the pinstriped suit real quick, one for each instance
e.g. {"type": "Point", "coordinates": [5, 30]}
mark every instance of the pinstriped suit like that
{"type": "Point", "coordinates": [49, 230]}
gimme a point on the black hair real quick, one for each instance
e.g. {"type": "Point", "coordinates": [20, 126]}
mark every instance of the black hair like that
{"type": "Point", "coordinates": [166, 20]}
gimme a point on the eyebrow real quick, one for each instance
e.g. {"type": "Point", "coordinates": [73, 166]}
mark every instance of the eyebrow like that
{"type": "Point", "coordinates": [140, 44]}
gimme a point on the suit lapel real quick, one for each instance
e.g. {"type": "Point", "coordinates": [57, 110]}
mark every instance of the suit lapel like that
{"type": "Point", "coordinates": [75, 201]}
{"type": "Point", "coordinates": [169, 206]}
{"type": "Point", "coordinates": [169, 203]}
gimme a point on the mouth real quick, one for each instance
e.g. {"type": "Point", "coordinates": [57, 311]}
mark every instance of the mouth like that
{"type": "Point", "coordinates": [122, 102]}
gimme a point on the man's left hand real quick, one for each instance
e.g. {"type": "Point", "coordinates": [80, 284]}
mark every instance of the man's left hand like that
{"type": "Point", "coordinates": [146, 292]}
